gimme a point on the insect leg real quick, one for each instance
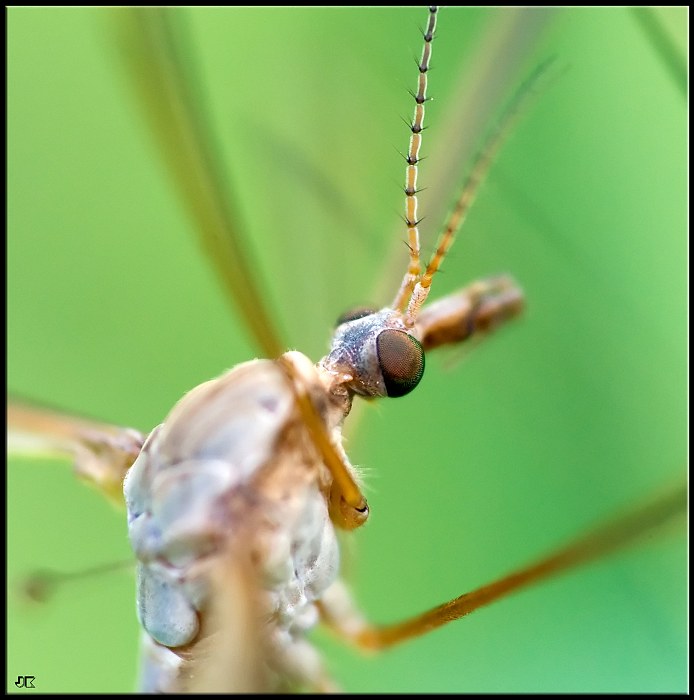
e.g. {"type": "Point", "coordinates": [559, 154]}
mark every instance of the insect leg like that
{"type": "Point", "coordinates": [348, 507]}
{"type": "Point", "coordinates": [667, 509]}
{"type": "Point", "coordinates": [166, 82]}
{"type": "Point", "coordinates": [101, 453]}
{"type": "Point", "coordinates": [478, 308]}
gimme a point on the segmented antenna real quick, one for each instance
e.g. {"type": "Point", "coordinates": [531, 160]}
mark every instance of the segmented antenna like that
{"type": "Point", "coordinates": [414, 269]}
{"type": "Point", "coordinates": [478, 172]}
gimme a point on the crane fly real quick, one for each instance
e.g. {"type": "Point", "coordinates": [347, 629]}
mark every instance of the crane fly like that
{"type": "Point", "coordinates": [528, 452]}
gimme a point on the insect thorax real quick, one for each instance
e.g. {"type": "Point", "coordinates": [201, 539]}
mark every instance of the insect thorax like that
{"type": "Point", "coordinates": [230, 479]}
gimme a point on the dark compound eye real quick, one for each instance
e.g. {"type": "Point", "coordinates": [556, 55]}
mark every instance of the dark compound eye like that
{"type": "Point", "coordinates": [354, 314]}
{"type": "Point", "coordinates": [401, 358]}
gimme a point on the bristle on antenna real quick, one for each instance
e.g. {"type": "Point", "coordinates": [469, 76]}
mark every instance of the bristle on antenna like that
{"type": "Point", "coordinates": [414, 269]}
{"type": "Point", "coordinates": [478, 172]}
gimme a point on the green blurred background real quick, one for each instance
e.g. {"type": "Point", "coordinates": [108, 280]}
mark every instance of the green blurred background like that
{"type": "Point", "coordinates": [504, 452]}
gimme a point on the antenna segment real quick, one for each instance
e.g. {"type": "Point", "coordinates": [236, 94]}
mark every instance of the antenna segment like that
{"type": "Point", "coordinates": [414, 269]}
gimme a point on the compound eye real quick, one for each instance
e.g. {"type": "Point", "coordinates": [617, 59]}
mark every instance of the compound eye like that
{"type": "Point", "coordinates": [401, 358]}
{"type": "Point", "coordinates": [354, 314]}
